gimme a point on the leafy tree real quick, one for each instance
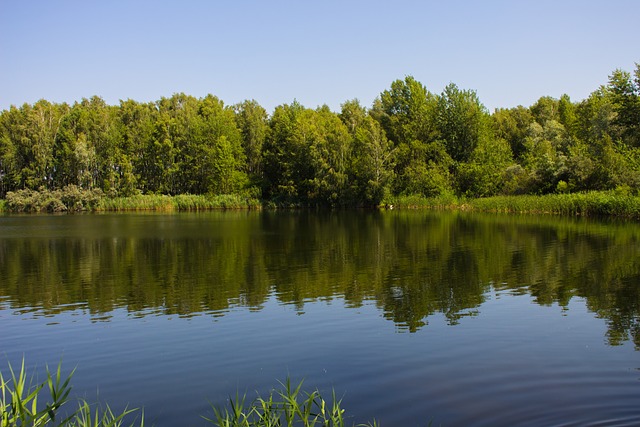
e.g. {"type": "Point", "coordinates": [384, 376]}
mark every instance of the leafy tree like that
{"type": "Point", "coordinates": [625, 93]}
{"type": "Point", "coordinates": [283, 156]}
{"type": "Point", "coordinates": [567, 115]}
{"type": "Point", "coordinates": [596, 116]}
{"type": "Point", "coordinates": [407, 112]}
{"type": "Point", "coordinates": [28, 140]}
{"type": "Point", "coordinates": [546, 108]}
{"type": "Point", "coordinates": [138, 122]}
{"type": "Point", "coordinates": [251, 120]}
{"type": "Point", "coordinates": [462, 121]}
{"type": "Point", "coordinates": [217, 149]}
{"type": "Point", "coordinates": [544, 159]}
{"type": "Point", "coordinates": [331, 157]}
{"type": "Point", "coordinates": [512, 125]}
{"type": "Point", "coordinates": [371, 167]}
{"type": "Point", "coordinates": [486, 172]}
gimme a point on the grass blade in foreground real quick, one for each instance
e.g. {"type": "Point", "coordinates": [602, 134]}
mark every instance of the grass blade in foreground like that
{"type": "Point", "coordinates": [288, 406]}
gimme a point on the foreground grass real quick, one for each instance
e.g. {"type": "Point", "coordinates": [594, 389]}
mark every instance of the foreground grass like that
{"type": "Point", "coordinates": [21, 404]}
{"type": "Point", "coordinates": [287, 406]}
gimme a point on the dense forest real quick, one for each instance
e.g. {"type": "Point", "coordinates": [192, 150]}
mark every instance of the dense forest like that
{"type": "Point", "coordinates": [409, 142]}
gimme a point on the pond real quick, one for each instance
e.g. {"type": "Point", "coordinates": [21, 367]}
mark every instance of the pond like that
{"type": "Point", "coordinates": [412, 317]}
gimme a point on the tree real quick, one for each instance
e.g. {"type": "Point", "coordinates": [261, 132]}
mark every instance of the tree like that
{"type": "Point", "coordinates": [512, 125]}
{"type": "Point", "coordinates": [545, 109]}
{"type": "Point", "coordinates": [544, 159]}
{"type": "Point", "coordinates": [216, 147]}
{"type": "Point", "coordinates": [371, 166]}
{"type": "Point", "coordinates": [625, 93]}
{"type": "Point", "coordinates": [138, 124]}
{"type": "Point", "coordinates": [407, 112]}
{"type": "Point", "coordinates": [28, 141]}
{"type": "Point", "coordinates": [461, 121]}
{"type": "Point", "coordinates": [283, 156]}
{"type": "Point", "coordinates": [251, 120]}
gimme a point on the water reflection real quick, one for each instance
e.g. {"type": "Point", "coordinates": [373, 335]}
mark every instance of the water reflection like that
{"type": "Point", "coordinates": [411, 264]}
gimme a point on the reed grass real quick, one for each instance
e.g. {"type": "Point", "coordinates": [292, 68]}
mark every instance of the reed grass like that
{"type": "Point", "coordinates": [287, 406]}
{"type": "Point", "coordinates": [417, 201]}
{"type": "Point", "coordinates": [182, 202]}
{"type": "Point", "coordinates": [595, 203]}
{"type": "Point", "coordinates": [21, 403]}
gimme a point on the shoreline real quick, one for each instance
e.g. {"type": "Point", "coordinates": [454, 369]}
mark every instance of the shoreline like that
{"type": "Point", "coordinates": [593, 203]}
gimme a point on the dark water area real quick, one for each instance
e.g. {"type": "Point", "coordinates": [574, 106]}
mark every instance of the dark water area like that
{"type": "Point", "coordinates": [411, 317]}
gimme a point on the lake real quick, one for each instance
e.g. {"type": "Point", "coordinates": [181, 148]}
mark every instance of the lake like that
{"type": "Point", "coordinates": [411, 317]}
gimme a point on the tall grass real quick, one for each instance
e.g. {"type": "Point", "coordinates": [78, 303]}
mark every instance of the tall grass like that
{"type": "Point", "coordinates": [288, 406]}
{"type": "Point", "coordinates": [417, 201]}
{"type": "Point", "coordinates": [21, 403]}
{"type": "Point", "coordinates": [593, 203]}
{"type": "Point", "coordinates": [596, 203]}
{"type": "Point", "coordinates": [182, 202]}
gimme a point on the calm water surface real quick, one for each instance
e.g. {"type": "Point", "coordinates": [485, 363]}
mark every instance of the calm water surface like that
{"type": "Point", "coordinates": [412, 317]}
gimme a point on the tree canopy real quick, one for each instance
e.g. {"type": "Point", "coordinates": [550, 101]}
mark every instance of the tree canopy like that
{"type": "Point", "coordinates": [410, 141]}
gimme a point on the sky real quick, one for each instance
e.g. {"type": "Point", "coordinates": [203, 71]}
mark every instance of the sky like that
{"type": "Point", "coordinates": [510, 52]}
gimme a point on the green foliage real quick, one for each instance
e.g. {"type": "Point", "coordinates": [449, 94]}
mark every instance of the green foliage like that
{"type": "Point", "coordinates": [485, 173]}
{"type": "Point", "coordinates": [410, 141]}
{"type": "Point", "coordinates": [22, 403]}
{"type": "Point", "coordinates": [617, 203]}
{"type": "Point", "coordinates": [287, 406]}
{"type": "Point", "coordinates": [462, 121]}
{"type": "Point", "coordinates": [69, 199]}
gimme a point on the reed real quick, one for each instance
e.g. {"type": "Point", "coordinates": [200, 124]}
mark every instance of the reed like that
{"type": "Point", "coordinates": [418, 201]}
{"type": "Point", "coordinates": [21, 403]}
{"type": "Point", "coordinates": [182, 202]}
{"type": "Point", "coordinates": [287, 406]}
{"type": "Point", "coordinates": [596, 203]}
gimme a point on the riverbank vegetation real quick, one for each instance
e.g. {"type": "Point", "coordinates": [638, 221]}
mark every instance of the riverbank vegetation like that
{"type": "Point", "coordinates": [22, 404]}
{"type": "Point", "coordinates": [411, 144]}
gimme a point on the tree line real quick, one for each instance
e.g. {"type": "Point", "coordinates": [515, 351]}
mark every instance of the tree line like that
{"type": "Point", "coordinates": [409, 142]}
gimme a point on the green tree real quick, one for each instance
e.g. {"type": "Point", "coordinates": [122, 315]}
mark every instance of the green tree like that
{"type": "Point", "coordinates": [486, 172]}
{"type": "Point", "coordinates": [462, 121]}
{"type": "Point", "coordinates": [567, 115]}
{"type": "Point", "coordinates": [407, 112]}
{"type": "Point", "coordinates": [371, 167]}
{"type": "Point", "coordinates": [546, 108]}
{"type": "Point", "coordinates": [544, 158]}
{"type": "Point", "coordinates": [251, 120]}
{"type": "Point", "coordinates": [216, 147]}
{"type": "Point", "coordinates": [625, 92]}
{"type": "Point", "coordinates": [284, 158]}
{"type": "Point", "coordinates": [512, 125]}
{"type": "Point", "coordinates": [28, 141]}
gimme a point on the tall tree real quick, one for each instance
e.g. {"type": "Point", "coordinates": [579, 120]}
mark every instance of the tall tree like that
{"type": "Point", "coordinates": [462, 121]}
{"type": "Point", "coordinates": [625, 92]}
{"type": "Point", "coordinates": [512, 125]}
{"type": "Point", "coordinates": [251, 120]}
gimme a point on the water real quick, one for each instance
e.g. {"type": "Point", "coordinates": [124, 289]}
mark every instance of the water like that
{"type": "Point", "coordinates": [411, 317]}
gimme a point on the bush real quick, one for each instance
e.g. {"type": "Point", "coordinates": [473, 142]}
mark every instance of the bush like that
{"type": "Point", "coordinates": [71, 198]}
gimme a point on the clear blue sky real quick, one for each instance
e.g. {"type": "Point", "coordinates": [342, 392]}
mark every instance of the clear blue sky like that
{"type": "Point", "coordinates": [319, 52]}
